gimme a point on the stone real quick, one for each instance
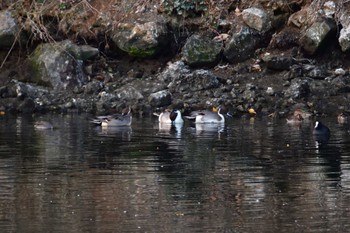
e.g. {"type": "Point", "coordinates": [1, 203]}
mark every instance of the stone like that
{"type": "Point", "coordinates": [344, 38]}
{"type": "Point", "coordinates": [141, 39]}
{"type": "Point", "coordinates": [201, 51]}
{"type": "Point", "coordinates": [160, 98]}
{"type": "Point", "coordinates": [256, 18]}
{"type": "Point", "coordinates": [57, 65]}
{"type": "Point", "coordinates": [242, 45]}
{"type": "Point", "coordinates": [9, 30]}
{"type": "Point", "coordinates": [317, 34]}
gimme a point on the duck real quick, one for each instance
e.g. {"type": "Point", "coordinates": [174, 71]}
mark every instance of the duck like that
{"type": "Point", "coordinates": [43, 125]}
{"type": "Point", "coordinates": [321, 132]}
{"type": "Point", "coordinates": [123, 119]}
{"type": "Point", "coordinates": [295, 119]}
{"type": "Point", "coordinates": [206, 116]}
{"type": "Point", "coordinates": [342, 118]}
{"type": "Point", "coordinates": [303, 113]}
{"type": "Point", "coordinates": [170, 117]}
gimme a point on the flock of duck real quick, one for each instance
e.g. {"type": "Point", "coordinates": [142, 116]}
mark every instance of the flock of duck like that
{"type": "Point", "coordinates": [214, 116]}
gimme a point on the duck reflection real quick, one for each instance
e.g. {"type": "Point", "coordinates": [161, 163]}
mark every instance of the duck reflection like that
{"type": "Point", "coordinates": [209, 130]}
{"type": "Point", "coordinates": [123, 132]}
{"type": "Point", "coordinates": [170, 129]}
{"type": "Point", "coordinates": [321, 133]}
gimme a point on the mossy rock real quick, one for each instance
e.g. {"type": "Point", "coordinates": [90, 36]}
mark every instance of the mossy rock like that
{"type": "Point", "coordinates": [201, 51]}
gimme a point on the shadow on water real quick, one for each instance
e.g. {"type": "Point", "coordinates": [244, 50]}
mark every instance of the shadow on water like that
{"type": "Point", "coordinates": [257, 175]}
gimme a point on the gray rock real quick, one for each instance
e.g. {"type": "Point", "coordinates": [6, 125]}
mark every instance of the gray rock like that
{"type": "Point", "coordinates": [315, 72]}
{"type": "Point", "coordinates": [9, 30]}
{"type": "Point", "coordinates": [128, 93]}
{"type": "Point", "coordinates": [141, 39]}
{"type": "Point", "coordinates": [317, 34]}
{"type": "Point", "coordinates": [341, 84]}
{"type": "Point", "coordinates": [256, 18]}
{"type": "Point", "coordinates": [242, 44]}
{"type": "Point", "coordinates": [173, 71]}
{"type": "Point", "coordinates": [57, 65]}
{"type": "Point", "coordinates": [160, 98]}
{"type": "Point", "coordinates": [201, 51]}
{"type": "Point", "coordinates": [298, 89]}
{"type": "Point", "coordinates": [344, 38]}
{"type": "Point", "coordinates": [278, 62]}
{"type": "Point", "coordinates": [198, 80]}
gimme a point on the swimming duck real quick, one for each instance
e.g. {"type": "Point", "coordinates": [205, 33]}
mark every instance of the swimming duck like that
{"type": "Point", "coordinates": [321, 132]}
{"type": "Point", "coordinates": [170, 117]}
{"type": "Point", "coordinates": [303, 113]}
{"type": "Point", "coordinates": [295, 119]}
{"type": "Point", "coordinates": [43, 125]}
{"type": "Point", "coordinates": [205, 116]}
{"type": "Point", "coordinates": [342, 118]}
{"type": "Point", "coordinates": [123, 119]}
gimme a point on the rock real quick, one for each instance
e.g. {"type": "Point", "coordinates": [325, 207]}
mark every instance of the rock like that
{"type": "Point", "coordinates": [82, 52]}
{"type": "Point", "coordinates": [314, 72]}
{"type": "Point", "coordinates": [173, 71]}
{"type": "Point", "coordinates": [298, 89]}
{"type": "Point", "coordinates": [341, 84]}
{"type": "Point", "coordinates": [160, 98]}
{"type": "Point", "coordinates": [141, 39]}
{"type": "Point", "coordinates": [198, 80]}
{"type": "Point", "coordinates": [329, 9]}
{"type": "Point", "coordinates": [93, 87]}
{"type": "Point", "coordinates": [9, 30]}
{"type": "Point", "coordinates": [57, 65]}
{"type": "Point", "coordinates": [270, 91]}
{"type": "Point", "coordinates": [285, 39]}
{"type": "Point", "coordinates": [243, 44]}
{"type": "Point", "coordinates": [257, 19]}
{"type": "Point", "coordinates": [278, 62]}
{"type": "Point", "coordinates": [128, 93]}
{"type": "Point", "coordinates": [344, 38]}
{"type": "Point", "coordinates": [339, 71]}
{"type": "Point", "coordinates": [299, 19]}
{"type": "Point", "coordinates": [317, 34]}
{"type": "Point", "coordinates": [201, 51]}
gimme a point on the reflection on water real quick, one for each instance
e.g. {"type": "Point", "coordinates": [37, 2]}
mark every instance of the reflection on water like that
{"type": "Point", "coordinates": [245, 176]}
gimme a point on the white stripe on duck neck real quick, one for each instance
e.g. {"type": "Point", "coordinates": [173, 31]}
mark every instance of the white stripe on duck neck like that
{"type": "Point", "coordinates": [316, 124]}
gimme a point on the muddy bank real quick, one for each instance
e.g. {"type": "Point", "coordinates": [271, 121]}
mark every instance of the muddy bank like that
{"type": "Point", "coordinates": [273, 58]}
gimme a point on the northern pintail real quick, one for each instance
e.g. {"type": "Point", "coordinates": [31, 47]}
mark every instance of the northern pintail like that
{"type": "Point", "coordinates": [206, 116]}
{"type": "Point", "coordinates": [303, 113]}
{"type": "Point", "coordinates": [294, 119]}
{"type": "Point", "coordinates": [43, 125]}
{"type": "Point", "coordinates": [117, 119]}
{"type": "Point", "coordinates": [342, 118]}
{"type": "Point", "coordinates": [170, 117]}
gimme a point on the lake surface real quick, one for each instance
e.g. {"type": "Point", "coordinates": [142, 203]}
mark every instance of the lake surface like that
{"type": "Point", "coordinates": [257, 175]}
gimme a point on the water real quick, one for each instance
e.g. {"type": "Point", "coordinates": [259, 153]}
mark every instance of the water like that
{"type": "Point", "coordinates": [249, 176]}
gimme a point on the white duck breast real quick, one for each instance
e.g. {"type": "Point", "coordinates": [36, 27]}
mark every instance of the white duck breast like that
{"type": "Point", "coordinates": [170, 117]}
{"type": "Point", "coordinates": [176, 116]}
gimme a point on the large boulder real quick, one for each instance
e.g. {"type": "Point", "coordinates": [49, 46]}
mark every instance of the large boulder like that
{"type": "Point", "coordinates": [243, 44]}
{"type": "Point", "coordinates": [256, 18]}
{"type": "Point", "coordinates": [317, 34]}
{"type": "Point", "coordinates": [201, 50]}
{"type": "Point", "coordinates": [141, 39]}
{"type": "Point", "coordinates": [59, 65]}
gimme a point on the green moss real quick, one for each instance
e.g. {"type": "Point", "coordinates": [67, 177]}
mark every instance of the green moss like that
{"type": "Point", "coordinates": [137, 52]}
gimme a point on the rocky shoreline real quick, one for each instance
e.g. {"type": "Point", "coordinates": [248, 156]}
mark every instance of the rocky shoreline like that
{"type": "Point", "coordinates": [273, 58]}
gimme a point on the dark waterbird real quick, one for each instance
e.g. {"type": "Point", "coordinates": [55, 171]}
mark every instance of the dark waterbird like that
{"type": "Point", "coordinates": [321, 132]}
